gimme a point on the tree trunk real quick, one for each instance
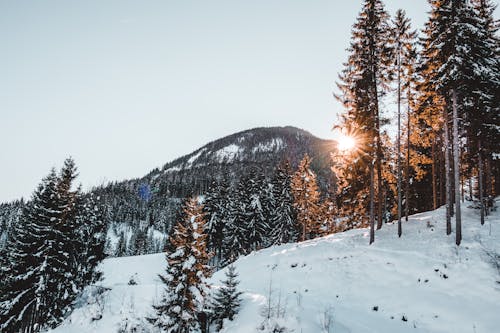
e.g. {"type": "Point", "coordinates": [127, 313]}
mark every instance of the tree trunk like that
{"type": "Point", "coordinates": [399, 144]}
{"type": "Point", "coordinates": [456, 167]}
{"type": "Point", "coordinates": [488, 183]}
{"type": "Point", "coordinates": [378, 158]}
{"type": "Point", "coordinates": [434, 185]}
{"type": "Point", "coordinates": [447, 173]}
{"type": "Point", "coordinates": [480, 180]}
{"type": "Point", "coordinates": [471, 190]}
{"type": "Point", "coordinates": [372, 202]}
{"type": "Point", "coordinates": [407, 189]}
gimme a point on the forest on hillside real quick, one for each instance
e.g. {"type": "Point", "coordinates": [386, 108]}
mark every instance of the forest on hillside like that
{"type": "Point", "coordinates": [445, 83]}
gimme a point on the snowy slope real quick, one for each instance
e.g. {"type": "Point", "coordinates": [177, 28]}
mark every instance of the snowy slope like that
{"type": "Point", "coordinates": [422, 277]}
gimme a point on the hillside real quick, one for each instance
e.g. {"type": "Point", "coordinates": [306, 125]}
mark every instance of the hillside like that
{"type": "Point", "coordinates": [419, 283]}
{"type": "Point", "coordinates": [228, 158]}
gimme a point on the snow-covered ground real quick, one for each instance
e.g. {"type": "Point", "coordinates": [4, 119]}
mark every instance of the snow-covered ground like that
{"type": "Point", "coordinates": [420, 282]}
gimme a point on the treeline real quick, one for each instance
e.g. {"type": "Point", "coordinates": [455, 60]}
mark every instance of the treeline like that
{"type": "Point", "coordinates": [447, 82]}
{"type": "Point", "coordinates": [51, 254]}
{"type": "Point", "coordinates": [259, 212]}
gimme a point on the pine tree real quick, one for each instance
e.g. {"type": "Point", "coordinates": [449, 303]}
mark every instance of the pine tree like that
{"type": "Point", "coordinates": [216, 208]}
{"type": "Point", "coordinates": [24, 304]}
{"type": "Point", "coordinates": [282, 216]}
{"type": "Point", "coordinates": [226, 300]}
{"type": "Point", "coordinates": [306, 200]}
{"type": "Point", "coordinates": [186, 288]}
{"type": "Point", "coordinates": [362, 82]}
{"type": "Point", "coordinates": [255, 214]}
{"type": "Point", "coordinates": [404, 40]}
{"type": "Point", "coordinates": [91, 233]}
{"type": "Point", "coordinates": [236, 242]}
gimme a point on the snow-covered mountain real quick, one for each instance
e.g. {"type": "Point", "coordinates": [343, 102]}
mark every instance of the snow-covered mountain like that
{"type": "Point", "coordinates": [421, 282]}
{"type": "Point", "coordinates": [230, 157]}
{"type": "Point", "coordinates": [155, 198]}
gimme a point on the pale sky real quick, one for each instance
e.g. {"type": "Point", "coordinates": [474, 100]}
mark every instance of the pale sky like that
{"type": "Point", "coordinates": [126, 86]}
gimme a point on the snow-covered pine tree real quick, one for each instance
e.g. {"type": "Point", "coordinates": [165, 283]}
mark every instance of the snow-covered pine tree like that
{"type": "Point", "coordinates": [246, 228]}
{"type": "Point", "coordinates": [216, 208]}
{"type": "Point", "coordinates": [306, 199]}
{"type": "Point", "coordinates": [91, 231]}
{"type": "Point", "coordinates": [226, 300]}
{"type": "Point", "coordinates": [186, 288]}
{"type": "Point", "coordinates": [255, 214]}
{"type": "Point", "coordinates": [24, 298]}
{"type": "Point", "coordinates": [236, 231]}
{"type": "Point", "coordinates": [282, 216]}
{"type": "Point", "coordinates": [65, 280]}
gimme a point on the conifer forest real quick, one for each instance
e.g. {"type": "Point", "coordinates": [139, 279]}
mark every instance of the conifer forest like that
{"type": "Point", "coordinates": [391, 225]}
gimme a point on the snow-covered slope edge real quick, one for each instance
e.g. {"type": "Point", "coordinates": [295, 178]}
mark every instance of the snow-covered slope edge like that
{"type": "Point", "coordinates": [422, 277]}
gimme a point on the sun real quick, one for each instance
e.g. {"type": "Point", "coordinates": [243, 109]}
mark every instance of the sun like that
{"type": "Point", "coordinates": [346, 143]}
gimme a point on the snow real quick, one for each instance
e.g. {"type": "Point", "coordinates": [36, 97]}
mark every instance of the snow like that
{"type": "Point", "coordinates": [228, 153]}
{"type": "Point", "coordinates": [193, 158]}
{"type": "Point", "coordinates": [173, 169]}
{"type": "Point", "coordinates": [273, 145]}
{"type": "Point", "coordinates": [422, 276]}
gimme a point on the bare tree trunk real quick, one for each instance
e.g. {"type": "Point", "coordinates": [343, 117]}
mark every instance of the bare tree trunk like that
{"type": "Point", "coordinates": [434, 185]}
{"type": "Point", "coordinates": [471, 190]}
{"type": "Point", "coordinates": [407, 189]}
{"type": "Point", "coordinates": [379, 184]}
{"type": "Point", "coordinates": [488, 183]}
{"type": "Point", "coordinates": [378, 158]}
{"type": "Point", "coordinates": [447, 173]}
{"type": "Point", "coordinates": [441, 181]}
{"type": "Point", "coordinates": [372, 202]}
{"type": "Point", "coordinates": [462, 190]}
{"type": "Point", "coordinates": [456, 167]}
{"type": "Point", "coordinates": [480, 180]}
{"type": "Point", "coordinates": [399, 144]}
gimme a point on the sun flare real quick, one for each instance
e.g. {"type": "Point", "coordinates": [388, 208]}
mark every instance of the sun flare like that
{"type": "Point", "coordinates": [346, 143]}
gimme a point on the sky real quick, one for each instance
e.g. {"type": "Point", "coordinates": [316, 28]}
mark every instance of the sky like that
{"type": "Point", "coordinates": [126, 86]}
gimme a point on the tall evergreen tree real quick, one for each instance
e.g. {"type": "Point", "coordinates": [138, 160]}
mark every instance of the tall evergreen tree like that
{"type": "Point", "coordinates": [91, 236]}
{"type": "Point", "coordinates": [404, 41]}
{"type": "Point", "coordinates": [256, 213]}
{"type": "Point", "coordinates": [284, 227]}
{"type": "Point", "coordinates": [216, 208]}
{"type": "Point", "coordinates": [185, 282]}
{"type": "Point", "coordinates": [24, 301]}
{"type": "Point", "coordinates": [236, 230]}
{"type": "Point", "coordinates": [306, 199]}
{"type": "Point", "coordinates": [363, 80]}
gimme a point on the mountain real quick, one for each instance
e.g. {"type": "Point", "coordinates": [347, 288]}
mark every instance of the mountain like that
{"type": "Point", "coordinates": [231, 157]}
{"type": "Point", "coordinates": [146, 207]}
{"type": "Point", "coordinates": [155, 197]}
{"type": "Point", "coordinates": [419, 283]}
